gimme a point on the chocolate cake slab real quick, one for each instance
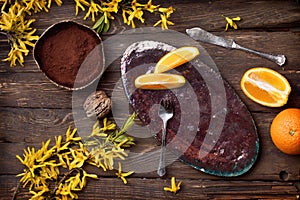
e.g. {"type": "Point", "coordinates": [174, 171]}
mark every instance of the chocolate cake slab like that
{"type": "Point", "coordinates": [211, 129]}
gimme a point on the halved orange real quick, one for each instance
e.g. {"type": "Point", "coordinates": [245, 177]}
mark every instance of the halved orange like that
{"type": "Point", "coordinates": [176, 58]}
{"type": "Point", "coordinates": [159, 81]}
{"type": "Point", "coordinates": [265, 86]}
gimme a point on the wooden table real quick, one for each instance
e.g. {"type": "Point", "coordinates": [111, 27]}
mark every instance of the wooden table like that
{"type": "Point", "coordinates": [33, 109]}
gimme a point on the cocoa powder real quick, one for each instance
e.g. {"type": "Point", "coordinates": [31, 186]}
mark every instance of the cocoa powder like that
{"type": "Point", "coordinates": [64, 49]}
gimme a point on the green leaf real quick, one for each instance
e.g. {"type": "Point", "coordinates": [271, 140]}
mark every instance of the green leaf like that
{"type": "Point", "coordinates": [99, 22]}
{"type": "Point", "coordinates": [100, 28]}
{"type": "Point", "coordinates": [106, 26]}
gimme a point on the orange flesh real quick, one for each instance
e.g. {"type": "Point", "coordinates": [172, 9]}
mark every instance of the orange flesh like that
{"type": "Point", "coordinates": [258, 93]}
{"type": "Point", "coordinates": [176, 58]}
{"type": "Point", "coordinates": [268, 78]}
{"type": "Point", "coordinates": [159, 81]}
{"type": "Point", "coordinates": [170, 63]}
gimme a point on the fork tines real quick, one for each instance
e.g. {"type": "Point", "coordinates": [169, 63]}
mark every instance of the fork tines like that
{"type": "Point", "coordinates": [167, 103]}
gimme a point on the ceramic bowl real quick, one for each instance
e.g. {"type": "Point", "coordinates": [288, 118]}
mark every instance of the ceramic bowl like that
{"type": "Point", "coordinates": [70, 55]}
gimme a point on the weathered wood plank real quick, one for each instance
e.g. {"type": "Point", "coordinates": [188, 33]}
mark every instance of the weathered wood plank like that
{"type": "Point", "coordinates": [33, 125]}
{"type": "Point", "coordinates": [20, 128]}
{"type": "Point", "coordinates": [232, 64]}
{"type": "Point", "coordinates": [232, 70]}
{"type": "Point", "coordinates": [205, 13]}
{"type": "Point", "coordinates": [266, 16]}
{"type": "Point", "coordinates": [113, 188]}
{"type": "Point", "coordinates": [32, 109]}
{"type": "Point", "coordinates": [286, 43]}
{"type": "Point", "coordinates": [16, 90]}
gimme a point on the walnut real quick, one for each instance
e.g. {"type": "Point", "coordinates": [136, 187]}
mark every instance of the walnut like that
{"type": "Point", "coordinates": [97, 104]}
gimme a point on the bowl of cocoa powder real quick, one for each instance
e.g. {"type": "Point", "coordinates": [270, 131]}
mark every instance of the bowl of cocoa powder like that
{"type": "Point", "coordinates": [70, 55]}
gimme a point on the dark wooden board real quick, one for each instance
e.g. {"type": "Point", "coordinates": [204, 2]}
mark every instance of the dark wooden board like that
{"type": "Point", "coordinates": [32, 109]}
{"type": "Point", "coordinates": [112, 188]}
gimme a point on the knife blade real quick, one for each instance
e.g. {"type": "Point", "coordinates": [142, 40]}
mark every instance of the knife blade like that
{"type": "Point", "coordinates": [199, 34]}
{"type": "Point", "coordinates": [204, 36]}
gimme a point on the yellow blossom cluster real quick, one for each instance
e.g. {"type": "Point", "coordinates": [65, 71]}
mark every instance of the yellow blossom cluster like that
{"type": "Point", "coordinates": [45, 164]}
{"type": "Point", "coordinates": [19, 33]}
{"type": "Point", "coordinates": [31, 5]}
{"type": "Point", "coordinates": [44, 167]}
{"type": "Point", "coordinates": [131, 11]}
{"type": "Point", "coordinates": [107, 143]}
{"type": "Point", "coordinates": [18, 30]}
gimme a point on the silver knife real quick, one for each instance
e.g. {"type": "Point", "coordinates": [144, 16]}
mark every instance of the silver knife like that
{"type": "Point", "coordinates": [204, 36]}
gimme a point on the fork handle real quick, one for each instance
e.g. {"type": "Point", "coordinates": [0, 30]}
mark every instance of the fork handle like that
{"type": "Point", "coordinates": [161, 167]}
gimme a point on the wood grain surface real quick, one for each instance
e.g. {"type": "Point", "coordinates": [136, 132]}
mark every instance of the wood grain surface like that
{"type": "Point", "coordinates": [32, 109]}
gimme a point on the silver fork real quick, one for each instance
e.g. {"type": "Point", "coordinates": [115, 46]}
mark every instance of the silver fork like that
{"type": "Point", "coordinates": [165, 113]}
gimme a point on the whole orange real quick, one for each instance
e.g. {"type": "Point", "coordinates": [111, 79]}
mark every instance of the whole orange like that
{"type": "Point", "coordinates": [285, 131]}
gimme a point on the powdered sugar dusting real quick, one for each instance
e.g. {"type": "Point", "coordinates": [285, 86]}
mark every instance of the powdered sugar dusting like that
{"type": "Point", "coordinates": [143, 46]}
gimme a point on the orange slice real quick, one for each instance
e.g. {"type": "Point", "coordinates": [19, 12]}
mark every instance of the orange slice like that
{"type": "Point", "coordinates": [176, 58]}
{"type": "Point", "coordinates": [266, 87]}
{"type": "Point", "coordinates": [159, 81]}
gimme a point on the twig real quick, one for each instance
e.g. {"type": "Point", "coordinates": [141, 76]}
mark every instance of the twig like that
{"type": "Point", "coordinates": [3, 33]}
{"type": "Point", "coordinates": [16, 191]}
{"type": "Point", "coordinates": [63, 179]}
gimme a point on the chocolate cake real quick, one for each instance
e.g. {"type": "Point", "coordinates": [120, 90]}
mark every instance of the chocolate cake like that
{"type": "Point", "coordinates": [211, 130]}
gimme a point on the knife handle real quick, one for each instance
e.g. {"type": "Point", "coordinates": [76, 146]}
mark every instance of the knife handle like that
{"type": "Point", "coordinates": [278, 59]}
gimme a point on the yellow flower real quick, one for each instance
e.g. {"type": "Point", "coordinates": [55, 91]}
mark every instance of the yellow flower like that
{"type": "Point", "coordinates": [167, 11]}
{"type": "Point", "coordinates": [112, 6]}
{"type": "Point", "coordinates": [5, 2]}
{"type": "Point", "coordinates": [70, 136]}
{"type": "Point", "coordinates": [66, 158]}
{"type": "Point", "coordinates": [129, 21]}
{"type": "Point", "coordinates": [107, 126]}
{"type": "Point", "coordinates": [58, 142]}
{"type": "Point", "coordinates": [135, 4]}
{"type": "Point", "coordinates": [124, 12]}
{"type": "Point", "coordinates": [79, 158]}
{"type": "Point", "coordinates": [79, 5]}
{"type": "Point", "coordinates": [83, 180]}
{"type": "Point", "coordinates": [149, 7]}
{"type": "Point", "coordinates": [39, 195]}
{"type": "Point", "coordinates": [94, 9]}
{"type": "Point", "coordinates": [96, 161]}
{"type": "Point", "coordinates": [106, 13]}
{"type": "Point", "coordinates": [30, 175]}
{"type": "Point", "coordinates": [231, 23]}
{"type": "Point", "coordinates": [122, 175]}
{"type": "Point", "coordinates": [174, 188]}
{"type": "Point", "coordinates": [105, 153]}
{"type": "Point", "coordinates": [16, 54]}
{"type": "Point", "coordinates": [65, 190]}
{"type": "Point", "coordinates": [139, 15]}
{"type": "Point", "coordinates": [136, 13]}
{"type": "Point", "coordinates": [96, 130]}
{"type": "Point", "coordinates": [30, 37]}
{"type": "Point", "coordinates": [61, 160]}
{"type": "Point", "coordinates": [75, 182]}
{"type": "Point", "coordinates": [58, 2]}
{"type": "Point", "coordinates": [164, 22]}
